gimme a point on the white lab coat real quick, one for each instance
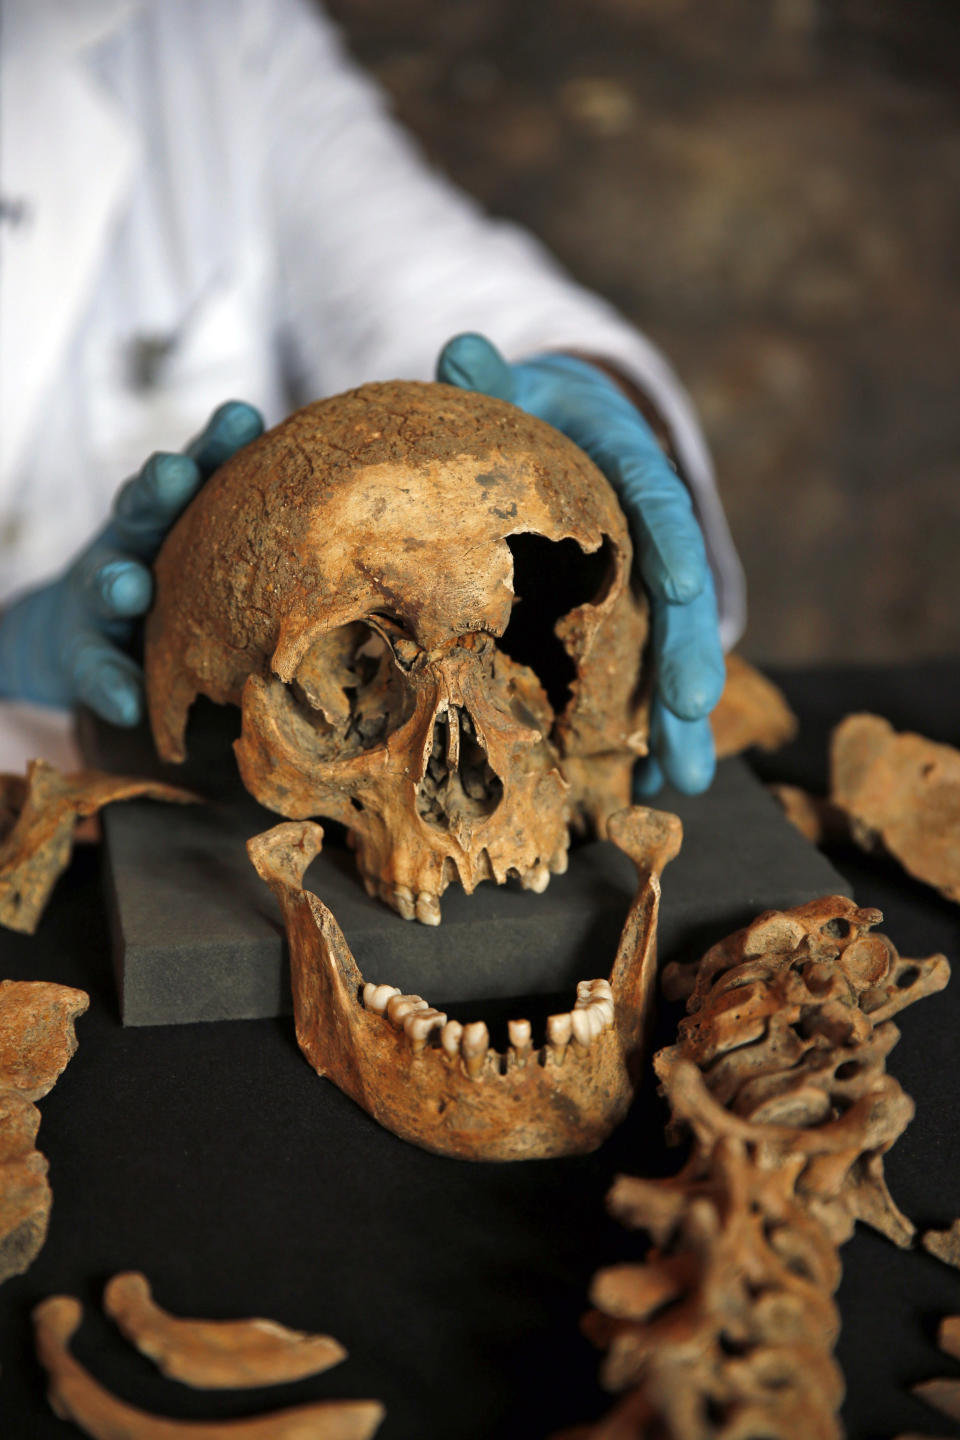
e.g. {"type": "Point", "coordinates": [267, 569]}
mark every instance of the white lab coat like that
{"type": "Point", "coordinates": [206, 198]}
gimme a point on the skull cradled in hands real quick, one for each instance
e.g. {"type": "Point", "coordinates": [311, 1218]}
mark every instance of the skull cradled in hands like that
{"type": "Point", "coordinates": [420, 598]}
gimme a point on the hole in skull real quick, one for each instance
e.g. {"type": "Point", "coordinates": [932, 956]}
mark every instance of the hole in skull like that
{"type": "Point", "coordinates": [459, 784]}
{"type": "Point", "coordinates": [551, 578]}
{"type": "Point", "coordinates": [350, 690]}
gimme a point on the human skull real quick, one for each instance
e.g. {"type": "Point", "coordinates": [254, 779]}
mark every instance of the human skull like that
{"type": "Point", "coordinates": [420, 598]}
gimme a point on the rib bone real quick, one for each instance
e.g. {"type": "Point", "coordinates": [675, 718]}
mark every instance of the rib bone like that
{"type": "Point", "coordinates": [75, 1395]}
{"type": "Point", "coordinates": [215, 1354]}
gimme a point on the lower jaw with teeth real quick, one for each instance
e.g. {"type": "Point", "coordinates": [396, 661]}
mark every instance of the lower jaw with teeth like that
{"type": "Point", "coordinates": [439, 1083]}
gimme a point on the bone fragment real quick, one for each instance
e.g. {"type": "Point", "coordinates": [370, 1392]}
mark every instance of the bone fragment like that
{"type": "Point", "coordinates": [901, 793]}
{"type": "Point", "coordinates": [38, 817]}
{"type": "Point", "coordinates": [944, 1394]}
{"type": "Point", "coordinates": [75, 1395]}
{"type": "Point", "coordinates": [815, 817]}
{"type": "Point", "coordinates": [945, 1244]}
{"type": "Point", "coordinates": [215, 1354]}
{"type": "Point", "coordinates": [751, 711]}
{"type": "Point", "coordinates": [37, 1040]}
{"type": "Point", "coordinates": [778, 1076]}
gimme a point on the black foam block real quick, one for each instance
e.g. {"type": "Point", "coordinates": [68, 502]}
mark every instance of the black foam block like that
{"type": "Point", "coordinates": [197, 935]}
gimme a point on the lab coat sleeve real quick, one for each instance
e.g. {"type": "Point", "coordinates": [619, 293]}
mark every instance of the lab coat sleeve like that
{"type": "Point", "coordinates": [382, 260]}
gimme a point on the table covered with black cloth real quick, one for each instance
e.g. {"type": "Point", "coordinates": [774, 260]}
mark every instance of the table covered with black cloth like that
{"type": "Point", "coordinates": [212, 1158]}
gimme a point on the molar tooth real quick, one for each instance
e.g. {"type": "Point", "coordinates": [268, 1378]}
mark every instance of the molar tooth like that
{"type": "Point", "coordinates": [400, 1006]}
{"type": "Point", "coordinates": [375, 997]}
{"type": "Point", "coordinates": [589, 991]}
{"type": "Point", "coordinates": [588, 1023]}
{"type": "Point", "coordinates": [559, 1030]}
{"type": "Point", "coordinates": [582, 1025]}
{"type": "Point", "coordinates": [428, 908]}
{"type": "Point", "coordinates": [474, 1046]}
{"type": "Point", "coordinates": [604, 1008]}
{"type": "Point", "coordinates": [519, 1032]}
{"type": "Point", "coordinates": [450, 1037]}
{"type": "Point", "coordinates": [403, 901]}
{"type": "Point", "coordinates": [419, 1024]}
{"type": "Point", "coordinates": [537, 878]}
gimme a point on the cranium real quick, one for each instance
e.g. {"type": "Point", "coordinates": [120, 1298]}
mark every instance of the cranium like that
{"type": "Point", "coordinates": [420, 598]}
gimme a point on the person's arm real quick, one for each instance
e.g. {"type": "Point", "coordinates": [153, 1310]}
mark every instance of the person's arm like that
{"type": "Point", "coordinates": [67, 642]}
{"type": "Point", "coordinates": [383, 260]}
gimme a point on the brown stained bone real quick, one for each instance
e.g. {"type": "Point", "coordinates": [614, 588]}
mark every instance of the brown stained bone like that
{"type": "Point", "coordinates": [944, 1394]}
{"type": "Point", "coordinates": [945, 1244]}
{"type": "Point", "coordinates": [37, 1040]}
{"type": "Point", "coordinates": [817, 820]}
{"type": "Point", "coordinates": [726, 1328]}
{"type": "Point", "coordinates": [215, 1354]}
{"type": "Point", "coordinates": [348, 582]}
{"type": "Point", "coordinates": [439, 1084]}
{"type": "Point", "coordinates": [75, 1395]}
{"type": "Point", "coordinates": [790, 1023]}
{"type": "Point", "coordinates": [751, 711]}
{"type": "Point", "coordinates": [38, 817]}
{"type": "Point", "coordinates": [901, 792]}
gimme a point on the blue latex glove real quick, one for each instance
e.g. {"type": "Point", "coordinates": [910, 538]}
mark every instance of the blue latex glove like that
{"type": "Point", "coordinates": [586, 405]}
{"type": "Point", "coordinates": [63, 643]}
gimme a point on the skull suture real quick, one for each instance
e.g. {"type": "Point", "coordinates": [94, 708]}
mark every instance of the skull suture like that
{"type": "Point", "coordinates": [420, 598]}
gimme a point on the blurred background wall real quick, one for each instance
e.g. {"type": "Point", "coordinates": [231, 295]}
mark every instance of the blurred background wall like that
{"type": "Point", "coordinates": [771, 189]}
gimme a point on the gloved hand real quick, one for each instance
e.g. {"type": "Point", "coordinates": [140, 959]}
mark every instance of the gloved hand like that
{"type": "Point", "coordinates": [586, 405]}
{"type": "Point", "coordinates": [62, 643]}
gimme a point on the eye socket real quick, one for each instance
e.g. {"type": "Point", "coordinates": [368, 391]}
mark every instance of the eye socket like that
{"type": "Point", "coordinates": [348, 687]}
{"type": "Point", "coordinates": [405, 649]}
{"type": "Point", "coordinates": [551, 578]}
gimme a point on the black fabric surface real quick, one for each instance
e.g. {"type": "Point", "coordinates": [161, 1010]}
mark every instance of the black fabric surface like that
{"type": "Point", "coordinates": [211, 1157]}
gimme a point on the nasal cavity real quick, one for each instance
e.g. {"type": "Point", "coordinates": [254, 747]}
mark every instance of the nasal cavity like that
{"type": "Point", "coordinates": [459, 786]}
